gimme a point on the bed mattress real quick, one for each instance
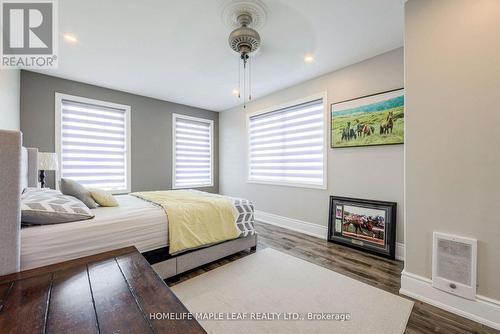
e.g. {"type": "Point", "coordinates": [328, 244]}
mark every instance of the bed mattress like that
{"type": "Point", "coordinates": [134, 223]}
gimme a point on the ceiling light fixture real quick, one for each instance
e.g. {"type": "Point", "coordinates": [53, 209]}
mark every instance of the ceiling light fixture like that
{"type": "Point", "coordinates": [244, 16]}
{"type": "Point", "coordinates": [70, 38]}
{"type": "Point", "coordinates": [308, 59]}
{"type": "Point", "coordinates": [244, 40]}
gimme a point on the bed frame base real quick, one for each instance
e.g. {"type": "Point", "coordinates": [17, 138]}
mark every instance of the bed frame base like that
{"type": "Point", "coordinates": [167, 267]}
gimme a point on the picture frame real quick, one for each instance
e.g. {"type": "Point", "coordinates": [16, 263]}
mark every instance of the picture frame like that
{"type": "Point", "coordinates": [370, 120]}
{"type": "Point", "coordinates": [368, 225]}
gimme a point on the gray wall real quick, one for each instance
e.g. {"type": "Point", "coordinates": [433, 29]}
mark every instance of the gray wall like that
{"type": "Point", "coordinates": [363, 172]}
{"type": "Point", "coordinates": [151, 122]}
{"type": "Point", "coordinates": [9, 99]}
{"type": "Point", "coordinates": [452, 83]}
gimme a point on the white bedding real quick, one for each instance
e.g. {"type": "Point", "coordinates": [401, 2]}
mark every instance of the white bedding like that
{"type": "Point", "coordinates": [134, 223]}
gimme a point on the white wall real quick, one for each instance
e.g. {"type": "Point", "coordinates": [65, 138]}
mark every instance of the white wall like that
{"type": "Point", "coordinates": [364, 172]}
{"type": "Point", "coordinates": [9, 99]}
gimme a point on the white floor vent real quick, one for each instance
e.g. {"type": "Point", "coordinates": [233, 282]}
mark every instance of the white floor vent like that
{"type": "Point", "coordinates": [454, 261]}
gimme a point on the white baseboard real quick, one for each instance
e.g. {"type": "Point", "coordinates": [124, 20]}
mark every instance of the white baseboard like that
{"type": "Point", "coordinates": [483, 310]}
{"type": "Point", "coordinates": [400, 251]}
{"type": "Point", "coordinates": [296, 225]}
{"type": "Point", "coordinates": [311, 229]}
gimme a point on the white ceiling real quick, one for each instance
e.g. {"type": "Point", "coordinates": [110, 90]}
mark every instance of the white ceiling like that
{"type": "Point", "coordinates": [178, 50]}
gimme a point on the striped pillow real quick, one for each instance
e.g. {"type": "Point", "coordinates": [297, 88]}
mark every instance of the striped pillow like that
{"type": "Point", "coordinates": [47, 206]}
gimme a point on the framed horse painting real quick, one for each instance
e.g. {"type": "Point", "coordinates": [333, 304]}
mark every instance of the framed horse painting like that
{"type": "Point", "coordinates": [364, 224]}
{"type": "Point", "coordinates": [376, 119]}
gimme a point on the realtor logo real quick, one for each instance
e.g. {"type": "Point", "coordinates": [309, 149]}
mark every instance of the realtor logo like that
{"type": "Point", "coordinates": [29, 34]}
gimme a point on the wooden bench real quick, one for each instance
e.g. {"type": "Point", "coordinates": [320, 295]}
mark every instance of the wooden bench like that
{"type": "Point", "coordinates": [112, 292]}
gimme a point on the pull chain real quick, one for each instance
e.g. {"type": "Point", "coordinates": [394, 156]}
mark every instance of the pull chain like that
{"type": "Point", "coordinates": [246, 94]}
{"type": "Point", "coordinates": [249, 80]}
{"type": "Point", "coordinates": [239, 78]}
{"type": "Point", "coordinates": [244, 84]}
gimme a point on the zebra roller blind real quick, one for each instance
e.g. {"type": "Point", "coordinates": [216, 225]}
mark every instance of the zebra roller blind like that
{"type": "Point", "coordinates": [93, 145]}
{"type": "Point", "coordinates": [287, 145]}
{"type": "Point", "coordinates": [192, 152]}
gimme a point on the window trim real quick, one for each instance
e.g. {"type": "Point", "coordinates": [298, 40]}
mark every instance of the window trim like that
{"type": "Point", "coordinates": [211, 127]}
{"type": "Point", "coordinates": [59, 97]}
{"type": "Point", "coordinates": [326, 127]}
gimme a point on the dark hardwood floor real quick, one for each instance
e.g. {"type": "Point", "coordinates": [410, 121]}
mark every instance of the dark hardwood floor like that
{"type": "Point", "coordinates": [364, 267]}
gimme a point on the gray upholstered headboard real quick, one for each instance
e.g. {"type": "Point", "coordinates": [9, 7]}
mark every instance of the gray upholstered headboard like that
{"type": "Point", "coordinates": [29, 167]}
{"type": "Point", "coordinates": [10, 190]}
{"type": "Point", "coordinates": [18, 167]}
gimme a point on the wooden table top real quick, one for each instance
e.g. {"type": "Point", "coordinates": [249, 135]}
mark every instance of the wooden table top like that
{"type": "Point", "coordinates": [112, 292]}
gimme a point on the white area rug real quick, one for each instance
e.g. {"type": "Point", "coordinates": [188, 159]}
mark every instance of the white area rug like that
{"type": "Point", "coordinates": [272, 285]}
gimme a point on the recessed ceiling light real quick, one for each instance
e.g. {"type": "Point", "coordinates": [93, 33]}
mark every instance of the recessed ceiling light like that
{"type": "Point", "coordinates": [70, 38]}
{"type": "Point", "coordinates": [236, 92]}
{"type": "Point", "coordinates": [308, 58]}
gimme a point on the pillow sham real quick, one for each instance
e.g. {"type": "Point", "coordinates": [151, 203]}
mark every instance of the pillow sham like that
{"type": "Point", "coordinates": [75, 189]}
{"type": "Point", "coordinates": [46, 206]}
{"type": "Point", "coordinates": [103, 198]}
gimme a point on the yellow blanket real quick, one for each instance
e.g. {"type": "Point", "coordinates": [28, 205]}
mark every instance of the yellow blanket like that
{"type": "Point", "coordinates": [195, 218]}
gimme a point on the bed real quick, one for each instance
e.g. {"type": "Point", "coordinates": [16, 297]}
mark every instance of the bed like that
{"type": "Point", "coordinates": [135, 222]}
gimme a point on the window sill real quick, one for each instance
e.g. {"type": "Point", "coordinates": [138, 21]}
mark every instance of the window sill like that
{"type": "Point", "coordinates": [193, 186]}
{"type": "Point", "coordinates": [286, 184]}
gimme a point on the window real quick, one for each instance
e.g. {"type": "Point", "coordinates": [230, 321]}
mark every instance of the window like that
{"type": "Point", "coordinates": [287, 146]}
{"type": "Point", "coordinates": [93, 142]}
{"type": "Point", "coordinates": [193, 152]}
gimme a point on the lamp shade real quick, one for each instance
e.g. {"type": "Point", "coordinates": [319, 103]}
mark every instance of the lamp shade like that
{"type": "Point", "coordinates": [47, 161]}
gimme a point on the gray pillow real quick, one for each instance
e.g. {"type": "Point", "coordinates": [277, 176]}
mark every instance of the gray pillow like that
{"type": "Point", "coordinates": [45, 206]}
{"type": "Point", "coordinates": [75, 189]}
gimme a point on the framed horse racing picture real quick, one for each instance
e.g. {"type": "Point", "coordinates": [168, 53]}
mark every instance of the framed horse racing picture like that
{"type": "Point", "coordinates": [376, 119]}
{"type": "Point", "coordinates": [364, 224]}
